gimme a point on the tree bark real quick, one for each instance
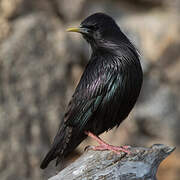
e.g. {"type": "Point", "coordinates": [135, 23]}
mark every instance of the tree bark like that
{"type": "Point", "coordinates": [141, 164]}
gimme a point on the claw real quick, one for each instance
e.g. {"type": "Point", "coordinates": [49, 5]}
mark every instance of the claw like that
{"type": "Point", "coordinates": [87, 148]}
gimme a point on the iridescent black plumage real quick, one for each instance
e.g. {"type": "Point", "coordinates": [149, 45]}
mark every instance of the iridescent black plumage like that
{"type": "Point", "coordinates": [108, 88]}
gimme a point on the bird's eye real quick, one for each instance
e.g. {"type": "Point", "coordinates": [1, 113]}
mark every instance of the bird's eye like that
{"type": "Point", "coordinates": [92, 27]}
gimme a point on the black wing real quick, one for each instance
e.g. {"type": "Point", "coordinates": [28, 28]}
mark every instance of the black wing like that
{"type": "Point", "coordinates": [95, 84]}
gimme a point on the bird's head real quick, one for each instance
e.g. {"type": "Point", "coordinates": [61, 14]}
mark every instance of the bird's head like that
{"type": "Point", "coordinates": [98, 29]}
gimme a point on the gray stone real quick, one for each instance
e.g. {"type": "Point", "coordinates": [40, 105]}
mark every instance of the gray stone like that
{"type": "Point", "coordinates": [33, 92]}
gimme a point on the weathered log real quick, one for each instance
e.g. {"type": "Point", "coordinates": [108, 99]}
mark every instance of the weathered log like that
{"type": "Point", "coordinates": [141, 164]}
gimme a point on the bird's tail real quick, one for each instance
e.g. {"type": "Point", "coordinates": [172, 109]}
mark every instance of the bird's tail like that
{"type": "Point", "coordinates": [66, 140]}
{"type": "Point", "coordinates": [49, 157]}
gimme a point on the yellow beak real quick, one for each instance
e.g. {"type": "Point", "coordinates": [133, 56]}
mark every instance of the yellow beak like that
{"type": "Point", "coordinates": [74, 29]}
{"type": "Point", "coordinates": [81, 30]}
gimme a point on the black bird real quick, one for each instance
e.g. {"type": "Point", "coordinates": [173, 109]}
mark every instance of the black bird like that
{"type": "Point", "coordinates": [107, 91]}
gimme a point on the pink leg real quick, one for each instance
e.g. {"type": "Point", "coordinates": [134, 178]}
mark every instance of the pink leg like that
{"type": "Point", "coordinates": [104, 146]}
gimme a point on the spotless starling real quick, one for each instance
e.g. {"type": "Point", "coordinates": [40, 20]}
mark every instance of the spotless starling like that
{"type": "Point", "coordinates": [107, 90]}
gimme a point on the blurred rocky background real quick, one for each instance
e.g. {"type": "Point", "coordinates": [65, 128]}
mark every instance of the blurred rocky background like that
{"type": "Point", "coordinates": [40, 65]}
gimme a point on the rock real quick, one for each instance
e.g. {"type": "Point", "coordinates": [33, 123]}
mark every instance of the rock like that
{"type": "Point", "coordinates": [9, 7]}
{"type": "Point", "coordinates": [33, 92]}
{"type": "Point", "coordinates": [5, 28]}
{"type": "Point", "coordinates": [69, 10]}
{"type": "Point", "coordinates": [140, 164]}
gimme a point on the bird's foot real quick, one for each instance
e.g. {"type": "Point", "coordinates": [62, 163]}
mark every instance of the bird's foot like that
{"type": "Point", "coordinates": [104, 146]}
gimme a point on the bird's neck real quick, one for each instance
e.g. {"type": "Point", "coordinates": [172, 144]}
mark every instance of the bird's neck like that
{"type": "Point", "coordinates": [102, 45]}
{"type": "Point", "coordinates": [111, 47]}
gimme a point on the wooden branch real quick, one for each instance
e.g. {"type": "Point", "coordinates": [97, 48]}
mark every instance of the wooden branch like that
{"type": "Point", "coordinates": [141, 164]}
